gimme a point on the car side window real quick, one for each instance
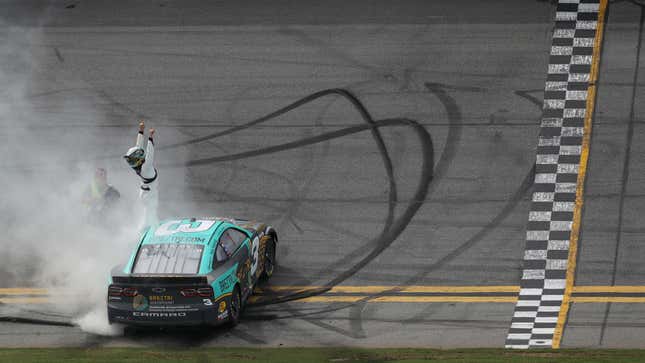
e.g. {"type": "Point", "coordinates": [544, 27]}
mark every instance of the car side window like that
{"type": "Point", "coordinates": [228, 243]}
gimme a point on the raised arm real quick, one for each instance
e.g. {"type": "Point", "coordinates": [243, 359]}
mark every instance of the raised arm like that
{"type": "Point", "coordinates": [148, 170]}
{"type": "Point", "coordinates": [142, 127]}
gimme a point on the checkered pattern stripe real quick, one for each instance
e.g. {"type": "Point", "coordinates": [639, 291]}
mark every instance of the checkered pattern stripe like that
{"type": "Point", "coordinates": [558, 158]}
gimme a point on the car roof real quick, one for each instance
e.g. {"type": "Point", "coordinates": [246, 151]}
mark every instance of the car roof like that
{"type": "Point", "coordinates": [187, 230]}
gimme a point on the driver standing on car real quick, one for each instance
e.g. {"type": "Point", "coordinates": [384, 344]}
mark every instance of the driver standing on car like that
{"type": "Point", "coordinates": [142, 162]}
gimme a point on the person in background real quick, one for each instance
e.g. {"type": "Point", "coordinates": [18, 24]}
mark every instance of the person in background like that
{"type": "Point", "coordinates": [100, 197]}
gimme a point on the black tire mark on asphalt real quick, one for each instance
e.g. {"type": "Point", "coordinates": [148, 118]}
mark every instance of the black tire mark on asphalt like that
{"type": "Point", "coordinates": [537, 102]}
{"type": "Point", "coordinates": [526, 94]}
{"type": "Point", "coordinates": [301, 215]}
{"type": "Point", "coordinates": [233, 169]}
{"type": "Point", "coordinates": [513, 201]}
{"type": "Point", "coordinates": [32, 321]}
{"type": "Point", "coordinates": [58, 55]}
{"type": "Point", "coordinates": [308, 40]}
{"type": "Point", "coordinates": [120, 105]}
{"type": "Point", "coordinates": [305, 100]}
{"type": "Point", "coordinates": [106, 52]}
{"type": "Point", "coordinates": [448, 154]}
{"type": "Point", "coordinates": [287, 216]}
{"type": "Point", "coordinates": [288, 212]}
{"type": "Point", "coordinates": [626, 161]}
{"type": "Point", "coordinates": [523, 190]}
{"type": "Point", "coordinates": [228, 114]}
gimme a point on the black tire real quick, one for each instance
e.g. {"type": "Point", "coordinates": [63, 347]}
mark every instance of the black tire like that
{"type": "Point", "coordinates": [235, 307]}
{"type": "Point", "coordinates": [270, 260]}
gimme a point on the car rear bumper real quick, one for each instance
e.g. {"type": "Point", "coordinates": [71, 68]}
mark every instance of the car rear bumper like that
{"type": "Point", "coordinates": [164, 319]}
{"type": "Point", "coordinates": [176, 316]}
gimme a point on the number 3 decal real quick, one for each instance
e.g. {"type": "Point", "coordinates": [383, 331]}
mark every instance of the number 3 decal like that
{"type": "Point", "coordinates": [255, 248]}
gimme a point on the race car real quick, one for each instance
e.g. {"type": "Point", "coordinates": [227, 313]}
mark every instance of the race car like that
{"type": "Point", "coordinates": [192, 272]}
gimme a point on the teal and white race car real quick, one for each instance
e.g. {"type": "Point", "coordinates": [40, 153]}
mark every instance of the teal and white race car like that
{"type": "Point", "coordinates": [192, 272]}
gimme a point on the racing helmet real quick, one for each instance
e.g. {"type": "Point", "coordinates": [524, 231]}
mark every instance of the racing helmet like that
{"type": "Point", "coordinates": [135, 157]}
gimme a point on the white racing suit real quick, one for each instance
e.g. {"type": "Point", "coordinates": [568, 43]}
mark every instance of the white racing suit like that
{"type": "Point", "coordinates": [149, 192]}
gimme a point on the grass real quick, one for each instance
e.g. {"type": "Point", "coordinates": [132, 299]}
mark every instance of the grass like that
{"type": "Point", "coordinates": [327, 355]}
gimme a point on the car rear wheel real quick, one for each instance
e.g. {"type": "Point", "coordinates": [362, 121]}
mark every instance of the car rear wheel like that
{"type": "Point", "coordinates": [269, 259]}
{"type": "Point", "coordinates": [235, 307]}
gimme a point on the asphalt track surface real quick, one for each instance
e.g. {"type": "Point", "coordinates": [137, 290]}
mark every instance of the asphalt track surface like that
{"type": "Point", "coordinates": [415, 171]}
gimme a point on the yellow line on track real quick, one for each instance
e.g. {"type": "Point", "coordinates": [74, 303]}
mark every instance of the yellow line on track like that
{"type": "Point", "coordinates": [607, 299]}
{"type": "Point", "coordinates": [414, 299]}
{"type": "Point", "coordinates": [610, 289]}
{"type": "Point", "coordinates": [26, 300]}
{"type": "Point", "coordinates": [405, 289]}
{"type": "Point", "coordinates": [580, 184]}
{"type": "Point", "coordinates": [23, 291]}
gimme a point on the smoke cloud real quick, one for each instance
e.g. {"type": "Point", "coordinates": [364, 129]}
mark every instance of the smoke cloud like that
{"type": "Point", "coordinates": [47, 152]}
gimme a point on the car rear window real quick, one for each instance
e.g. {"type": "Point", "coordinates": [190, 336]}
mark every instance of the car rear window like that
{"type": "Point", "coordinates": [168, 258]}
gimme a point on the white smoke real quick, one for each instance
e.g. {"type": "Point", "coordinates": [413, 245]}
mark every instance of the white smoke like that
{"type": "Point", "coordinates": [47, 239]}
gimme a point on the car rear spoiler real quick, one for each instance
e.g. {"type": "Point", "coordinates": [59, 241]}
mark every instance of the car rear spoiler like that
{"type": "Point", "coordinates": [160, 279]}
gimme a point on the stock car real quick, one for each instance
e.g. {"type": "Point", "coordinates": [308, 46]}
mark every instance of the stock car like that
{"type": "Point", "coordinates": [192, 272]}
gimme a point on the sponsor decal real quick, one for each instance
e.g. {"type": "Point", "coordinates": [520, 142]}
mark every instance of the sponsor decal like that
{"type": "Point", "coordinates": [207, 302]}
{"type": "Point", "coordinates": [156, 300]}
{"type": "Point", "coordinates": [147, 314]}
{"type": "Point", "coordinates": [227, 283]}
{"type": "Point", "coordinates": [222, 306]}
{"type": "Point", "coordinates": [180, 239]}
{"type": "Point", "coordinates": [222, 316]}
{"type": "Point", "coordinates": [139, 302]}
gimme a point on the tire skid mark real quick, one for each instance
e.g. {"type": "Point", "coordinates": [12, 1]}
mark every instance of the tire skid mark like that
{"type": "Point", "coordinates": [446, 158]}
{"type": "Point", "coordinates": [288, 215]}
{"type": "Point", "coordinates": [32, 321]}
{"type": "Point", "coordinates": [448, 154]}
{"type": "Point", "coordinates": [521, 192]}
